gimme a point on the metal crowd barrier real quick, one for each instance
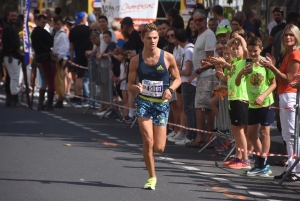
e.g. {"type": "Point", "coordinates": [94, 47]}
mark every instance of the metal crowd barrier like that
{"type": "Point", "coordinates": [100, 83]}
{"type": "Point", "coordinates": [223, 124]}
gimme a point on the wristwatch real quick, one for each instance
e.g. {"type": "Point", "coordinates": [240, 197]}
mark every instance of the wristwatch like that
{"type": "Point", "coordinates": [171, 90]}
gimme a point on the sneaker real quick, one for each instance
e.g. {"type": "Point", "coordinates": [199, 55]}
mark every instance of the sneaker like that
{"type": "Point", "coordinates": [240, 165]}
{"type": "Point", "coordinates": [183, 141]}
{"type": "Point", "coordinates": [150, 184]}
{"type": "Point", "coordinates": [178, 137]}
{"type": "Point", "coordinates": [171, 134]}
{"type": "Point", "coordinates": [279, 176]}
{"type": "Point", "coordinates": [265, 172]}
{"type": "Point", "coordinates": [229, 162]}
{"type": "Point", "coordinates": [253, 172]}
{"type": "Point", "coordinates": [100, 113]}
{"type": "Point", "coordinates": [292, 177]}
{"type": "Point", "coordinates": [78, 105]}
{"type": "Point", "coordinates": [120, 119]}
{"type": "Point", "coordinates": [86, 104]}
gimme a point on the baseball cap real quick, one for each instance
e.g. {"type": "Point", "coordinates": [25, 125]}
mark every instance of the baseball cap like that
{"type": "Point", "coordinates": [277, 9]}
{"type": "Point", "coordinates": [78, 17]}
{"type": "Point", "coordinates": [91, 17]}
{"type": "Point", "coordinates": [223, 29]}
{"type": "Point", "coordinates": [127, 21]}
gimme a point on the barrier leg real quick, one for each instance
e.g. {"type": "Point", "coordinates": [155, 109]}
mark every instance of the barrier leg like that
{"type": "Point", "coordinates": [213, 139]}
{"type": "Point", "coordinates": [229, 153]}
{"type": "Point", "coordinates": [133, 122]}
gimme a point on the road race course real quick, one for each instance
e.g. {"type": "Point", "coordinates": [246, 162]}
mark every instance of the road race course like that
{"type": "Point", "coordinates": [68, 155]}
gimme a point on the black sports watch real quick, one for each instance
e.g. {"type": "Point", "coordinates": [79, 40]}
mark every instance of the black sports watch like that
{"type": "Point", "coordinates": [171, 90]}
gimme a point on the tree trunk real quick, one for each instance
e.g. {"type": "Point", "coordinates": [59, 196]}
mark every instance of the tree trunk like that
{"type": "Point", "coordinates": [252, 4]}
{"type": "Point", "coordinates": [6, 5]}
{"type": "Point", "coordinates": [71, 7]}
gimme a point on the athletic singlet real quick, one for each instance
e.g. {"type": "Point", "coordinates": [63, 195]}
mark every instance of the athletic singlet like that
{"type": "Point", "coordinates": [155, 79]}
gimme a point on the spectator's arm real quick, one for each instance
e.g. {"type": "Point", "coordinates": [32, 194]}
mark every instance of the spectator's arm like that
{"type": "Point", "coordinates": [188, 69]}
{"type": "Point", "coordinates": [71, 51]}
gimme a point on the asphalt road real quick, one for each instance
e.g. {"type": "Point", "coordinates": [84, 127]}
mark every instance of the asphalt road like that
{"type": "Point", "coordinates": [68, 155]}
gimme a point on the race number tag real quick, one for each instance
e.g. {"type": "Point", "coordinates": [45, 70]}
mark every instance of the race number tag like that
{"type": "Point", "coordinates": [152, 88]}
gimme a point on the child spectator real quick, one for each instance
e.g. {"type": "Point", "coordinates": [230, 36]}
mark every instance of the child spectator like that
{"type": "Point", "coordinates": [260, 84]}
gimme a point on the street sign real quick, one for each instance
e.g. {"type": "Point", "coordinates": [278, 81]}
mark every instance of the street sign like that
{"type": "Point", "coordinates": [34, 4]}
{"type": "Point", "coordinates": [96, 4]}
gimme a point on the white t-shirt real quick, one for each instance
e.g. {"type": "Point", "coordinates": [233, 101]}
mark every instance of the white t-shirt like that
{"type": "Point", "coordinates": [103, 45]}
{"type": "Point", "coordinates": [177, 53]}
{"type": "Point", "coordinates": [188, 56]}
{"type": "Point", "coordinates": [223, 22]}
{"type": "Point", "coordinates": [205, 42]}
{"type": "Point", "coordinates": [122, 72]}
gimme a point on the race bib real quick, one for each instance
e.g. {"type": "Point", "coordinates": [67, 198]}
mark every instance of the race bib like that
{"type": "Point", "coordinates": [152, 88]}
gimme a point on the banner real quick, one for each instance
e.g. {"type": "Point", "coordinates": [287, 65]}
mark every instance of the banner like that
{"type": "Point", "coordinates": [185, 7]}
{"type": "Point", "coordinates": [141, 11]}
{"type": "Point", "coordinates": [26, 39]}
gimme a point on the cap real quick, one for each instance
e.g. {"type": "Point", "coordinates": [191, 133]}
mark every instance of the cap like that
{"type": "Point", "coordinates": [223, 29]}
{"type": "Point", "coordinates": [91, 17]}
{"type": "Point", "coordinates": [278, 9]}
{"type": "Point", "coordinates": [69, 21]}
{"type": "Point", "coordinates": [127, 21]}
{"type": "Point", "coordinates": [78, 17]}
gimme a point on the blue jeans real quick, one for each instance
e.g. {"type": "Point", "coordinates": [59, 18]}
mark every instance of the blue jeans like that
{"type": "Point", "coordinates": [188, 92]}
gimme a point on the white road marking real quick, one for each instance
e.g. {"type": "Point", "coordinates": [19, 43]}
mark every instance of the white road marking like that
{"type": "Point", "coordinates": [132, 145]}
{"type": "Point", "coordinates": [113, 138]}
{"type": "Point", "coordinates": [219, 179]}
{"type": "Point", "coordinates": [103, 134]}
{"type": "Point", "coordinates": [190, 168]}
{"type": "Point", "coordinates": [64, 119]}
{"type": "Point", "coordinates": [78, 125]}
{"type": "Point", "coordinates": [94, 131]}
{"type": "Point", "coordinates": [218, 174]}
{"type": "Point", "coordinates": [177, 163]}
{"type": "Point", "coordinates": [257, 193]}
{"type": "Point", "coordinates": [87, 128]}
{"type": "Point", "coordinates": [71, 122]}
{"type": "Point", "coordinates": [272, 200]}
{"type": "Point", "coordinates": [58, 117]}
{"type": "Point", "coordinates": [240, 187]}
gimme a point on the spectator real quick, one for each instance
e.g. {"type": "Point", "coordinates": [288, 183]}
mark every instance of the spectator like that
{"type": "Point", "coordinates": [79, 43]}
{"type": "Point", "coordinates": [103, 23]}
{"type": "Point", "coordinates": [191, 31]}
{"type": "Point", "coordinates": [248, 26]}
{"type": "Point", "coordinates": [60, 50]}
{"type": "Point", "coordinates": [287, 95]}
{"type": "Point", "coordinates": [204, 48]}
{"type": "Point", "coordinates": [199, 6]}
{"type": "Point", "coordinates": [175, 19]}
{"type": "Point", "coordinates": [42, 42]}
{"type": "Point", "coordinates": [116, 27]}
{"type": "Point", "coordinates": [292, 18]}
{"type": "Point", "coordinates": [57, 10]}
{"type": "Point", "coordinates": [163, 28]}
{"type": "Point", "coordinates": [188, 89]}
{"type": "Point", "coordinates": [223, 34]}
{"type": "Point", "coordinates": [217, 12]}
{"type": "Point", "coordinates": [278, 16]}
{"type": "Point", "coordinates": [257, 24]}
{"type": "Point", "coordinates": [94, 26]}
{"type": "Point", "coordinates": [91, 18]}
{"type": "Point", "coordinates": [12, 55]}
{"type": "Point", "coordinates": [241, 16]}
{"type": "Point", "coordinates": [213, 24]}
{"type": "Point", "coordinates": [236, 23]}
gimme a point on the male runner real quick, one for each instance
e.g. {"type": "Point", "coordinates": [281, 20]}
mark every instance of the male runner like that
{"type": "Point", "coordinates": [152, 66]}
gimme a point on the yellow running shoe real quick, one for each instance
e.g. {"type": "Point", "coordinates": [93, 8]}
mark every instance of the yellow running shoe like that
{"type": "Point", "coordinates": [150, 183]}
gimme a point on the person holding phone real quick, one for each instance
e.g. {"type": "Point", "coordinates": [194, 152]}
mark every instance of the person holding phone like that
{"type": "Point", "coordinates": [260, 83]}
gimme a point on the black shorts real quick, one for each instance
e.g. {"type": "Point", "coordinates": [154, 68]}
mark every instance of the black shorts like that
{"type": "Point", "coordinates": [238, 112]}
{"type": "Point", "coordinates": [178, 90]}
{"type": "Point", "coordinates": [263, 116]}
{"type": "Point", "coordinates": [81, 71]}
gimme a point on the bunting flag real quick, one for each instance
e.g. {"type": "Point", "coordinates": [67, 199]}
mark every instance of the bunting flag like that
{"type": "Point", "coordinates": [26, 36]}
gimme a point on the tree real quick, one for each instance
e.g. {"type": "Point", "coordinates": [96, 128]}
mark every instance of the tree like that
{"type": "Point", "coordinates": [71, 7]}
{"type": "Point", "coordinates": [6, 5]}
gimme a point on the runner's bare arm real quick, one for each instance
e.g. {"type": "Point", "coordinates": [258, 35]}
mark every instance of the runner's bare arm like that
{"type": "Point", "coordinates": [132, 75]}
{"type": "Point", "coordinates": [173, 70]}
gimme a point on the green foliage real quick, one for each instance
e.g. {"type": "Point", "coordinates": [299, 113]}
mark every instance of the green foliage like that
{"type": "Point", "coordinates": [229, 2]}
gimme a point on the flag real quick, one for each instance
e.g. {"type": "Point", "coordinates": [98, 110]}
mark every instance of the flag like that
{"type": "Point", "coordinates": [26, 37]}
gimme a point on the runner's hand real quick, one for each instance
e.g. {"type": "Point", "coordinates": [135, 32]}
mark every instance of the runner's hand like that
{"type": "Point", "coordinates": [167, 95]}
{"type": "Point", "coordinates": [138, 88]}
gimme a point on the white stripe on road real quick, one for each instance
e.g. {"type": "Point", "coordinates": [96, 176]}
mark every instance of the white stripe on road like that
{"type": "Point", "coordinates": [257, 193]}
{"type": "Point", "coordinates": [177, 163]}
{"type": "Point", "coordinates": [122, 141]}
{"type": "Point", "coordinates": [132, 145]}
{"type": "Point", "coordinates": [113, 138]}
{"type": "Point", "coordinates": [166, 158]}
{"type": "Point", "coordinates": [102, 134]}
{"type": "Point", "coordinates": [240, 187]}
{"type": "Point", "coordinates": [190, 168]}
{"type": "Point", "coordinates": [94, 131]}
{"type": "Point", "coordinates": [219, 179]}
{"type": "Point", "coordinates": [217, 174]}
{"type": "Point", "coordinates": [87, 128]}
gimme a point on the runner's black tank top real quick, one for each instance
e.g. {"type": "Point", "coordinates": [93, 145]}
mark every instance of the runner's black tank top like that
{"type": "Point", "coordinates": [158, 72]}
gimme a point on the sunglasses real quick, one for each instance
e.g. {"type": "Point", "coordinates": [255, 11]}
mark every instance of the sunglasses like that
{"type": "Point", "coordinates": [199, 20]}
{"type": "Point", "coordinates": [170, 36]}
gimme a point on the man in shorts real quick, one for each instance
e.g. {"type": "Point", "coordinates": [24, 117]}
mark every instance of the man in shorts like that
{"type": "Point", "coordinates": [152, 67]}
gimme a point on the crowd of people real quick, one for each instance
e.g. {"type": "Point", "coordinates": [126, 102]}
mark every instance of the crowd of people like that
{"type": "Point", "coordinates": [210, 55]}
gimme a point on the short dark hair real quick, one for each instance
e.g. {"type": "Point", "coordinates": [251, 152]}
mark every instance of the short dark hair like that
{"type": "Point", "coordinates": [164, 22]}
{"type": "Point", "coordinates": [249, 13]}
{"type": "Point", "coordinates": [57, 10]}
{"type": "Point", "coordinates": [257, 23]}
{"type": "Point", "coordinates": [238, 20]}
{"type": "Point", "coordinates": [108, 33]}
{"type": "Point", "coordinates": [218, 10]}
{"type": "Point", "coordinates": [292, 16]}
{"type": "Point", "coordinates": [173, 12]}
{"type": "Point", "coordinates": [103, 17]}
{"type": "Point", "coordinates": [180, 35]}
{"type": "Point", "coordinates": [41, 16]}
{"type": "Point", "coordinates": [254, 41]}
{"type": "Point", "coordinates": [178, 22]}
{"type": "Point", "coordinates": [36, 11]}
{"type": "Point", "coordinates": [58, 18]}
